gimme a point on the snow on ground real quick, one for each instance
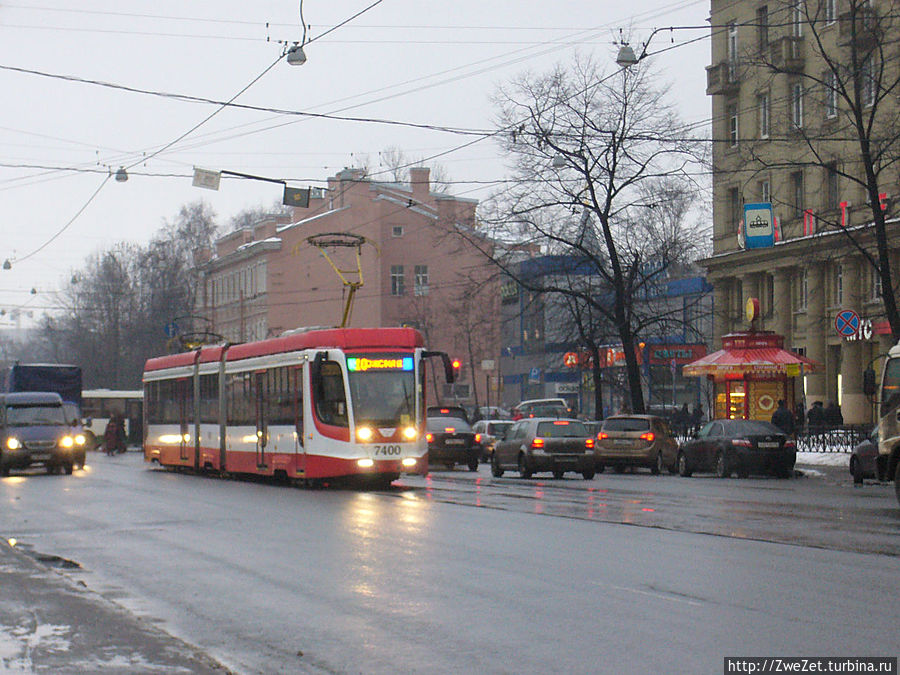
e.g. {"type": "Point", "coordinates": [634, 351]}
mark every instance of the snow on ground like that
{"type": "Point", "coordinates": [824, 459]}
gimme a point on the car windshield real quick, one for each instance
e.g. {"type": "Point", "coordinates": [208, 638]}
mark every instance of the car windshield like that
{"type": "Point", "coordinates": [561, 429]}
{"type": "Point", "coordinates": [498, 427]}
{"type": "Point", "coordinates": [751, 428]}
{"type": "Point", "coordinates": [34, 415]}
{"type": "Point", "coordinates": [626, 424]}
{"type": "Point", "coordinates": [444, 423]}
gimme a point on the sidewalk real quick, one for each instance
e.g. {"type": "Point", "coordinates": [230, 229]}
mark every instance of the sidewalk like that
{"type": "Point", "coordinates": [49, 624]}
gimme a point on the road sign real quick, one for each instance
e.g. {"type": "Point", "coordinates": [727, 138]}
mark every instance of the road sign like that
{"type": "Point", "coordinates": [759, 225]}
{"type": "Point", "coordinates": [534, 376]}
{"type": "Point", "coordinates": [204, 178]}
{"type": "Point", "coordinates": [846, 323]}
{"type": "Point", "coordinates": [171, 329]}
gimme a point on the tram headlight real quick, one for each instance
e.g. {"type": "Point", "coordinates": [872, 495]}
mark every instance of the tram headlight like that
{"type": "Point", "coordinates": [13, 443]}
{"type": "Point", "coordinates": [410, 433]}
{"type": "Point", "coordinates": [409, 461]}
{"type": "Point", "coordinates": [364, 433]}
{"type": "Point", "coordinates": [365, 463]}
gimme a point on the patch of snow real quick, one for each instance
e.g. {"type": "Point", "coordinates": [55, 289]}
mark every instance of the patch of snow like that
{"type": "Point", "coordinates": [824, 459]}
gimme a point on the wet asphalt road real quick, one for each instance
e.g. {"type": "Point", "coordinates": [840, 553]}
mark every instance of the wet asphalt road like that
{"type": "Point", "coordinates": [462, 572]}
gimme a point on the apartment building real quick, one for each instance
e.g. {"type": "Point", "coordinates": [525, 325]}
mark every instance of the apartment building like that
{"type": "Point", "coordinates": [784, 133]}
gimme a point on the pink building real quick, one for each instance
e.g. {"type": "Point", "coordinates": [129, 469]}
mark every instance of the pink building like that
{"type": "Point", "coordinates": [421, 266]}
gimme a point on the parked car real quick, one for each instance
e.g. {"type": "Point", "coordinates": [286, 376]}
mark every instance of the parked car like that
{"type": "Point", "coordinates": [34, 430]}
{"type": "Point", "coordinates": [490, 431]}
{"type": "Point", "coordinates": [741, 446]}
{"type": "Point", "coordinates": [493, 412]}
{"type": "Point", "coordinates": [636, 440]}
{"type": "Point", "coordinates": [456, 411]}
{"type": "Point", "coordinates": [451, 441]}
{"type": "Point", "coordinates": [538, 444]}
{"type": "Point", "coordinates": [542, 407]}
{"type": "Point", "coordinates": [864, 460]}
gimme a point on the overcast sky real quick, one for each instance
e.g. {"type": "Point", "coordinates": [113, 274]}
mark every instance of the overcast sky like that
{"type": "Point", "coordinates": [416, 61]}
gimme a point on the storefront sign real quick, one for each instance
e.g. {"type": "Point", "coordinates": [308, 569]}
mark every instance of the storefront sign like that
{"type": "Point", "coordinates": [680, 354]}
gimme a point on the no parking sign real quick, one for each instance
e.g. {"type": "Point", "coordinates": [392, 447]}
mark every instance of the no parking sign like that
{"type": "Point", "coordinates": [846, 323]}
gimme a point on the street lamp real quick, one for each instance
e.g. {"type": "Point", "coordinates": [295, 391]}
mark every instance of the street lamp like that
{"type": "Point", "coordinates": [296, 55]}
{"type": "Point", "coordinates": [626, 56]}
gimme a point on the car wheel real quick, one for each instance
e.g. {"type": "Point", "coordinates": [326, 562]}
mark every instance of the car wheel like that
{"type": "Point", "coordinates": [658, 466]}
{"type": "Point", "coordinates": [854, 469]}
{"type": "Point", "coordinates": [722, 470]}
{"type": "Point", "coordinates": [683, 468]}
{"type": "Point", "coordinates": [743, 473]}
{"type": "Point", "coordinates": [68, 466]}
{"type": "Point", "coordinates": [558, 473]}
{"type": "Point", "coordinates": [587, 475]}
{"type": "Point", "coordinates": [599, 468]}
{"type": "Point", "coordinates": [4, 470]}
{"type": "Point", "coordinates": [524, 471]}
{"type": "Point", "coordinates": [496, 469]}
{"type": "Point", "coordinates": [473, 464]}
{"type": "Point", "coordinates": [50, 468]}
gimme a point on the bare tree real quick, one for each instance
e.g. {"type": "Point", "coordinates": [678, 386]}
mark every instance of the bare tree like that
{"type": "Point", "coordinates": [609, 147]}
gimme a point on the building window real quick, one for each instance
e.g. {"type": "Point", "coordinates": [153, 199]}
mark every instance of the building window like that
{"type": "Point", "coordinates": [831, 186]}
{"type": "Point", "coordinates": [732, 51]}
{"type": "Point", "coordinates": [868, 81]}
{"type": "Point", "coordinates": [762, 28]}
{"type": "Point", "coordinates": [765, 192]}
{"type": "Point", "coordinates": [397, 231]}
{"type": "Point", "coordinates": [734, 208]}
{"type": "Point", "coordinates": [839, 285]}
{"type": "Point", "coordinates": [797, 18]}
{"type": "Point", "coordinates": [874, 283]}
{"type": "Point", "coordinates": [397, 280]}
{"type": "Point", "coordinates": [421, 280]}
{"type": "Point", "coordinates": [733, 125]}
{"type": "Point", "coordinates": [830, 11]}
{"type": "Point", "coordinates": [831, 94]}
{"type": "Point", "coordinates": [797, 193]}
{"type": "Point", "coordinates": [762, 106]}
{"type": "Point", "coordinates": [797, 105]}
{"type": "Point", "coordinates": [804, 290]}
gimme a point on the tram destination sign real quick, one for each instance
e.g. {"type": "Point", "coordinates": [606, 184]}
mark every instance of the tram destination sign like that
{"type": "Point", "coordinates": [363, 364]}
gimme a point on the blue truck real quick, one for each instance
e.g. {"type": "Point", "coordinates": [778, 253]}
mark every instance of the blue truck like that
{"type": "Point", "coordinates": [63, 379]}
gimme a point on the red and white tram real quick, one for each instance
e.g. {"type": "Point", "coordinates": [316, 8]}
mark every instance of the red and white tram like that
{"type": "Point", "coordinates": [323, 403]}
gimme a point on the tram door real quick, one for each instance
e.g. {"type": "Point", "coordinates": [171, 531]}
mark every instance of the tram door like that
{"type": "Point", "coordinates": [184, 394]}
{"type": "Point", "coordinates": [262, 426]}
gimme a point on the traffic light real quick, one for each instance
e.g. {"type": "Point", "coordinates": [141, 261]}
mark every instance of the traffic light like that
{"type": "Point", "coordinates": [457, 364]}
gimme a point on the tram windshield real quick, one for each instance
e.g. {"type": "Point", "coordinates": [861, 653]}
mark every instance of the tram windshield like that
{"type": "Point", "coordinates": [383, 388]}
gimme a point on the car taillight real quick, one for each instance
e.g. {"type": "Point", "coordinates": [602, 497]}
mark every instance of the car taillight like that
{"type": "Point", "coordinates": [429, 437]}
{"type": "Point", "coordinates": [790, 445]}
{"type": "Point", "coordinates": [537, 443]}
{"type": "Point", "coordinates": [649, 436]}
{"type": "Point", "coordinates": [589, 443]}
{"type": "Point", "coordinates": [478, 438]}
{"type": "Point", "coordinates": [602, 435]}
{"type": "Point", "coordinates": [742, 442]}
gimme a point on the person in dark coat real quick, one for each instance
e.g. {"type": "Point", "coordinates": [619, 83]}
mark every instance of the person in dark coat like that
{"type": "Point", "coordinates": [815, 418]}
{"type": "Point", "coordinates": [681, 420]}
{"type": "Point", "coordinates": [799, 418]}
{"type": "Point", "coordinates": [833, 416]}
{"type": "Point", "coordinates": [697, 418]}
{"type": "Point", "coordinates": [783, 418]}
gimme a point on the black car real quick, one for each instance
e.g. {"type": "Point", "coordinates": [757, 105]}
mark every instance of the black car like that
{"type": "Point", "coordinates": [451, 441]}
{"type": "Point", "coordinates": [738, 446]}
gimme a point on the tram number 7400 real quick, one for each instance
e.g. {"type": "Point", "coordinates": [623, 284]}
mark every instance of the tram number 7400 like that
{"type": "Point", "coordinates": [387, 450]}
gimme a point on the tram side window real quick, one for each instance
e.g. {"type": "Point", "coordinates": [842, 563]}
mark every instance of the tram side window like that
{"type": "Point", "coordinates": [281, 395]}
{"type": "Point", "coordinates": [153, 402]}
{"type": "Point", "coordinates": [209, 399]}
{"type": "Point", "coordinates": [330, 399]}
{"type": "Point", "coordinates": [241, 401]}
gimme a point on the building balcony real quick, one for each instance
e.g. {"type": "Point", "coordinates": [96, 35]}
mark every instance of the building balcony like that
{"type": "Point", "coordinates": [722, 78]}
{"type": "Point", "coordinates": [786, 54]}
{"type": "Point", "coordinates": [861, 28]}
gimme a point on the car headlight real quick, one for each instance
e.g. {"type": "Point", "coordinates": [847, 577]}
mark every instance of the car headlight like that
{"type": "Point", "coordinates": [67, 441]}
{"type": "Point", "coordinates": [80, 439]}
{"type": "Point", "coordinates": [13, 443]}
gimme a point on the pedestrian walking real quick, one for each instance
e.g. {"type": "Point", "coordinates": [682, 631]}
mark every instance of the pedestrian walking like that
{"type": "Point", "coordinates": [783, 418]}
{"type": "Point", "coordinates": [833, 416]}
{"type": "Point", "coordinates": [815, 418]}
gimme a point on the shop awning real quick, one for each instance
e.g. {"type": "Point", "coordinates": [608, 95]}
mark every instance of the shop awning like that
{"type": "Point", "coordinates": [760, 360]}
